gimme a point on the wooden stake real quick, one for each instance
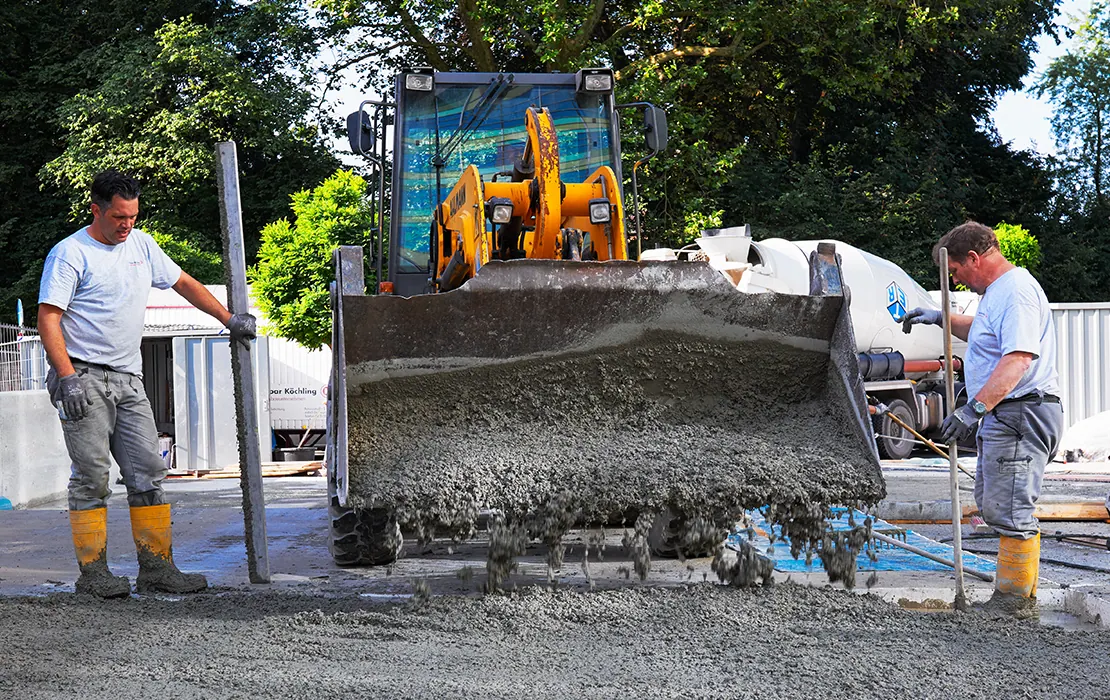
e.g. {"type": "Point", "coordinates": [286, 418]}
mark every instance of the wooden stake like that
{"type": "Point", "coordinates": [242, 369]}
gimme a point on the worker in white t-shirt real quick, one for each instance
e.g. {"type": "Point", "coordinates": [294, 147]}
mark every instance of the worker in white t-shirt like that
{"type": "Point", "coordinates": [1012, 390]}
{"type": "Point", "coordinates": [92, 301]}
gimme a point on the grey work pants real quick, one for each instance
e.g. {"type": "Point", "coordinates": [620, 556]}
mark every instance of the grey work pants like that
{"type": "Point", "coordinates": [1016, 441]}
{"type": "Point", "coordinates": [119, 424]}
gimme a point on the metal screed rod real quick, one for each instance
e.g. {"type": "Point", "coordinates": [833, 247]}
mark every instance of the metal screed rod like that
{"type": "Point", "coordinates": [953, 457]}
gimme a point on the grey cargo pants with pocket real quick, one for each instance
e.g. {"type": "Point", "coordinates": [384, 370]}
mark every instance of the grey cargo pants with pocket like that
{"type": "Point", "coordinates": [119, 424]}
{"type": "Point", "coordinates": [1016, 441]}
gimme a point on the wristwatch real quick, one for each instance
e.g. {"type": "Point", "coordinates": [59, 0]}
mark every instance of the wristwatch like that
{"type": "Point", "coordinates": [978, 406]}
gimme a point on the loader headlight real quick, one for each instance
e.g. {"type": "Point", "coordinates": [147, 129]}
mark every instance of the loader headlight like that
{"type": "Point", "coordinates": [422, 82]}
{"type": "Point", "coordinates": [499, 210]}
{"type": "Point", "coordinates": [594, 80]}
{"type": "Point", "coordinates": [600, 211]}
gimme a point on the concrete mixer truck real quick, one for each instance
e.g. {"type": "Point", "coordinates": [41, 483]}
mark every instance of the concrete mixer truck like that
{"type": "Point", "coordinates": [903, 371]}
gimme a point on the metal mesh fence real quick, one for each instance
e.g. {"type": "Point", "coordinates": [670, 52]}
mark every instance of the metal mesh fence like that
{"type": "Point", "coordinates": [22, 359]}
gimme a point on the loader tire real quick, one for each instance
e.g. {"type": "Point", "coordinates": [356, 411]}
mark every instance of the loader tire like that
{"type": "Point", "coordinates": [894, 441]}
{"type": "Point", "coordinates": [360, 537]}
{"type": "Point", "coordinates": [671, 537]}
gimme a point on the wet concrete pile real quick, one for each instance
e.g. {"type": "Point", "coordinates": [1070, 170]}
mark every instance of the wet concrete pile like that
{"type": "Point", "coordinates": [784, 642]}
{"type": "Point", "coordinates": [704, 429]}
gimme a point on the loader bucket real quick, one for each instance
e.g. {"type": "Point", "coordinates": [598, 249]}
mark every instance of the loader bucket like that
{"type": "Point", "coordinates": [602, 390]}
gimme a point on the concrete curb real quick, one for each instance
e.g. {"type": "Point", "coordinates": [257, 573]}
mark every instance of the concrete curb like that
{"type": "Point", "coordinates": [1091, 606]}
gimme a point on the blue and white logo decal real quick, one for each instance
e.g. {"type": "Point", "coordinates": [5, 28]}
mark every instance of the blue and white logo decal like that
{"type": "Point", "coordinates": [895, 301]}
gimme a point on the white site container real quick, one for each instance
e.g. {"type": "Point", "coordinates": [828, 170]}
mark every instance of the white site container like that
{"type": "Point", "coordinates": [290, 385]}
{"type": "Point", "coordinates": [204, 401]}
{"type": "Point", "coordinates": [298, 385]}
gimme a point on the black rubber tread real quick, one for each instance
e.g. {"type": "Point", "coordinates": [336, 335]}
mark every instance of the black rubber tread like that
{"type": "Point", "coordinates": [894, 448]}
{"type": "Point", "coordinates": [361, 537]}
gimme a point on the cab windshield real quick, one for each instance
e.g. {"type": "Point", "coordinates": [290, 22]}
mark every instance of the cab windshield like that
{"type": "Point", "coordinates": [483, 125]}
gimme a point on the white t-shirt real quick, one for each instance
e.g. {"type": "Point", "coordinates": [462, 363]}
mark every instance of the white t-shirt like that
{"type": "Point", "coordinates": [1013, 316]}
{"type": "Point", "coordinates": [103, 291]}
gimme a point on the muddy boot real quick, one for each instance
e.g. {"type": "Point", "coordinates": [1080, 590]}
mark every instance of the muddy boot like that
{"type": "Point", "coordinates": [1002, 606]}
{"type": "Point", "coordinates": [150, 525]}
{"type": "Point", "coordinates": [90, 540]}
{"type": "Point", "coordinates": [1015, 586]}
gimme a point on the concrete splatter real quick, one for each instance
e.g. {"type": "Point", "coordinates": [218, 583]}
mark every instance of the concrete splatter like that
{"type": "Point", "coordinates": [702, 429]}
{"type": "Point", "coordinates": [785, 642]}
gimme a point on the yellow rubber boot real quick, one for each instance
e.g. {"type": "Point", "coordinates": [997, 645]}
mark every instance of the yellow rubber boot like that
{"type": "Point", "coordinates": [1019, 564]}
{"type": "Point", "coordinates": [1015, 583]}
{"type": "Point", "coordinates": [90, 541]}
{"type": "Point", "coordinates": [151, 528]}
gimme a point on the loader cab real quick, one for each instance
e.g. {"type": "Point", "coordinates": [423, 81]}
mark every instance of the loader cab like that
{"type": "Point", "coordinates": [447, 121]}
{"type": "Point", "coordinates": [443, 122]}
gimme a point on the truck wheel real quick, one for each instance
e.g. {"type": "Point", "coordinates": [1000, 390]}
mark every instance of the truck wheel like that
{"type": "Point", "coordinates": [673, 536]}
{"type": "Point", "coordinates": [361, 537]}
{"type": "Point", "coordinates": [895, 442]}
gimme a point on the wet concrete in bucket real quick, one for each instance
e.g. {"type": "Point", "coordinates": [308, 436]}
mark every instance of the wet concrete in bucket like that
{"type": "Point", "coordinates": [705, 429]}
{"type": "Point", "coordinates": [699, 641]}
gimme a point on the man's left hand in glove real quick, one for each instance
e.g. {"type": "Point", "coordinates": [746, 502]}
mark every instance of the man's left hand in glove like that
{"type": "Point", "coordinates": [242, 328]}
{"type": "Point", "coordinates": [960, 424]}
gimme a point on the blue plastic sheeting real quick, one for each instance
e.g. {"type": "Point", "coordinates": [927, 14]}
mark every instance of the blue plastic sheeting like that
{"type": "Point", "coordinates": [889, 557]}
{"type": "Point", "coordinates": [5, 504]}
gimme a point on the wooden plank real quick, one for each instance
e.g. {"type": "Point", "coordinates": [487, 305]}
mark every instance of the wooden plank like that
{"type": "Point", "coordinates": [1094, 510]}
{"type": "Point", "coordinates": [246, 414]}
{"type": "Point", "coordinates": [267, 472]}
{"type": "Point", "coordinates": [1079, 510]}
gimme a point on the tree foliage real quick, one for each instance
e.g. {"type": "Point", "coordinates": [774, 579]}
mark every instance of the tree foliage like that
{"type": "Point", "coordinates": [855, 120]}
{"type": "Point", "coordinates": [290, 281]}
{"type": "Point", "coordinates": [1076, 234]}
{"type": "Point", "coordinates": [149, 88]}
{"type": "Point", "coordinates": [1018, 245]}
{"type": "Point", "coordinates": [1078, 85]}
{"type": "Point", "coordinates": [159, 114]}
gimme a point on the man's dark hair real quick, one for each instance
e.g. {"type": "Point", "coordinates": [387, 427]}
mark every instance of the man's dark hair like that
{"type": "Point", "coordinates": [968, 237]}
{"type": "Point", "coordinates": [110, 183]}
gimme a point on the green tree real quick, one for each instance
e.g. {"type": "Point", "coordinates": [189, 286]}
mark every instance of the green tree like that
{"type": "Point", "coordinates": [86, 84]}
{"type": "Point", "coordinates": [1018, 246]}
{"type": "Point", "coordinates": [1078, 85]}
{"type": "Point", "coordinates": [859, 121]}
{"type": "Point", "coordinates": [49, 51]}
{"type": "Point", "coordinates": [290, 281]}
{"type": "Point", "coordinates": [1076, 238]}
{"type": "Point", "coordinates": [206, 266]}
{"type": "Point", "coordinates": [159, 115]}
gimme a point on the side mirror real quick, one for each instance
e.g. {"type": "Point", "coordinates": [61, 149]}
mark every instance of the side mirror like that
{"type": "Point", "coordinates": [360, 133]}
{"type": "Point", "coordinates": [655, 128]}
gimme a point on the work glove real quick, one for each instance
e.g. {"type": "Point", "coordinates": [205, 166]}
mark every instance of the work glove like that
{"type": "Point", "coordinates": [242, 328]}
{"type": "Point", "coordinates": [71, 394]}
{"type": "Point", "coordinates": [931, 317]}
{"type": "Point", "coordinates": [959, 425]}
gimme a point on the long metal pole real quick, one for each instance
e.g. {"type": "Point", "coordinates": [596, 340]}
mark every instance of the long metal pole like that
{"type": "Point", "coordinates": [953, 455]}
{"type": "Point", "coordinates": [242, 369]}
{"type": "Point", "coordinates": [929, 555]}
{"type": "Point", "coordinates": [381, 114]}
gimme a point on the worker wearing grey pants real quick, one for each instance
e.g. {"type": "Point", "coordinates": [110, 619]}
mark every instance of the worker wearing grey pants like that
{"type": "Point", "coordinates": [1012, 387]}
{"type": "Point", "coordinates": [92, 304]}
{"type": "Point", "coordinates": [118, 423]}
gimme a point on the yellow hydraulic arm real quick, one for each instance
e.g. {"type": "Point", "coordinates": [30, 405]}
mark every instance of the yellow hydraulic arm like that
{"type": "Point", "coordinates": [537, 217]}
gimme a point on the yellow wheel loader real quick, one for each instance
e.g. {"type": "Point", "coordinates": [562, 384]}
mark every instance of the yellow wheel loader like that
{"type": "Point", "coordinates": [515, 361]}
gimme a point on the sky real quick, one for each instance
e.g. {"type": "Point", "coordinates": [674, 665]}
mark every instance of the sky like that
{"type": "Point", "coordinates": [1022, 119]}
